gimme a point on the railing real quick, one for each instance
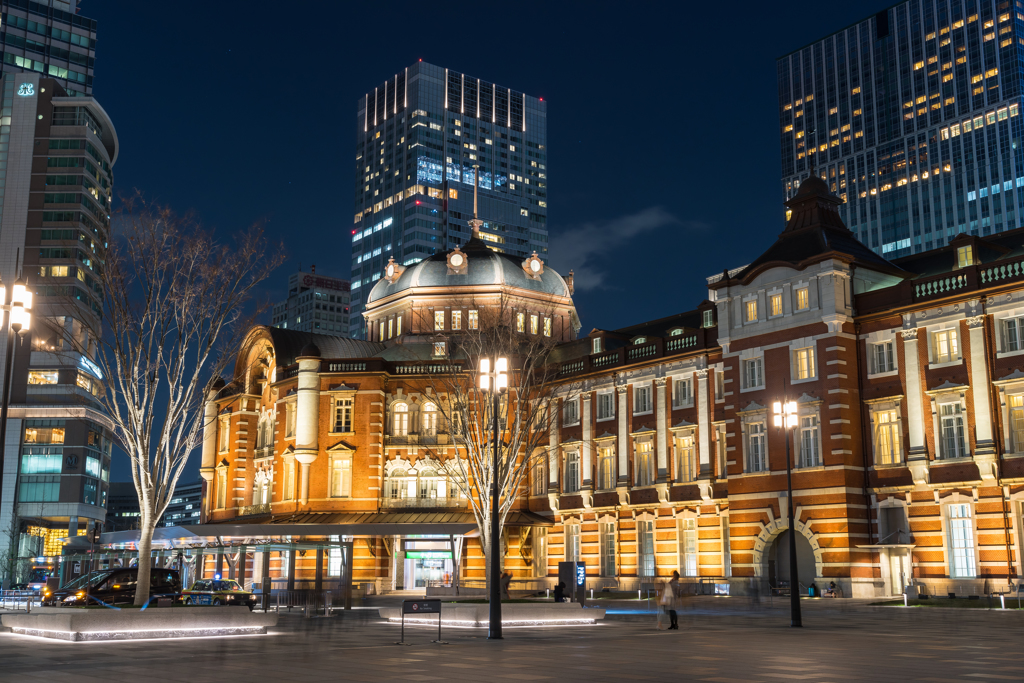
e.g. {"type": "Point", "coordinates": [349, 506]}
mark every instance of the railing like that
{"type": "Point", "coordinates": [608, 359]}
{"type": "Point", "coordinates": [18, 600]}
{"type": "Point", "coordinates": [344, 367]}
{"type": "Point", "coordinates": [431, 503]}
{"type": "Point", "coordinates": [427, 369]}
{"type": "Point", "coordinates": [638, 352]}
{"type": "Point", "coordinates": [940, 286]}
{"type": "Point", "coordinates": [677, 343]}
{"type": "Point", "coordinates": [260, 509]}
{"type": "Point", "coordinates": [571, 368]}
{"type": "Point", "coordinates": [1006, 271]}
{"type": "Point", "coordinates": [264, 452]}
{"type": "Point", "coordinates": [418, 439]}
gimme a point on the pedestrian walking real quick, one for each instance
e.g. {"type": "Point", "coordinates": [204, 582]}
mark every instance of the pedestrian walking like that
{"type": "Point", "coordinates": [506, 582]}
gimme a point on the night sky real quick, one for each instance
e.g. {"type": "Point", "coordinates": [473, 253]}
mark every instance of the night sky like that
{"type": "Point", "coordinates": [663, 139]}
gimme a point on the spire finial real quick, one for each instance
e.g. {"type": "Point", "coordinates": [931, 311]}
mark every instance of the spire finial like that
{"type": "Point", "coordinates": [475, 223]}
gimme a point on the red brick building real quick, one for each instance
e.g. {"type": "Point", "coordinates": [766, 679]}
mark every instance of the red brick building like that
{"type": "Point", "coordinates": [908, 452]}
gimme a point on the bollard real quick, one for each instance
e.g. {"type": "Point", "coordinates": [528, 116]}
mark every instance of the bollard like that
{"type": "Point", "coordinates": [905, 600]}
{"type": "Point", "coordinates": [1002, 601]}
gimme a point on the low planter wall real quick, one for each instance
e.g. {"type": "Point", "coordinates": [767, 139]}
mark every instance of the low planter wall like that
{"type": "Point", "coordinates": [512, 614]}
{"type": "Point", "coordinates": [68, 623]}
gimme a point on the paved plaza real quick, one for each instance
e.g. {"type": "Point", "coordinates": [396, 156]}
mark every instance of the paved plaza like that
{"type": "Point", "coordinates": [720, 639]}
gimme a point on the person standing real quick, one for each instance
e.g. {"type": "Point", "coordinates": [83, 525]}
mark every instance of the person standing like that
{"type": "Point", "coordinates": [506, 582]}
{"type": "Point", "coordinates": [670, 600]}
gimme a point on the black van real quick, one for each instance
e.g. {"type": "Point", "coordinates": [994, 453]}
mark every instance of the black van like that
{"type": "Point", "coordinates": [114, 586]}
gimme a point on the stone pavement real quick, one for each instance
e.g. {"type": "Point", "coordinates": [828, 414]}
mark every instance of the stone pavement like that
{"type": "Point", "coordinates": [722, 640]}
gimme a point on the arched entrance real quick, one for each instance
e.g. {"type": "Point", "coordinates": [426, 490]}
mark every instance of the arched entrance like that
{"type": "Point", "coordinates": [776, 560]}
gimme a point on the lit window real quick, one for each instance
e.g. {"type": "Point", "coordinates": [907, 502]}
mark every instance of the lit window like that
{"type": "Point", "coordinates": [42, 377]}
{"type": "Point", "coordinates": [757, 447]}
{"type": "Point", "coordinates": [887, 437]}
{"type": "Point", "coordinates": [965, 256]}
{"type": "Point", "coordinates": [534, 323]}
{"type": "Point", "coordinates": [686, 457]}
{"type": "Point", "coordinates": [439, 349]}
{"type": "Point", "coordinates": [439, 320]}
{"type": "Point", "coordinates": [803, 363]}
{"type": "Point", "coordinates": [776, 303]}
{"type": "Point", "coordinates": [520, 322]}
{"type": "Point", "coordinates": [751, 311]}
{"type": "Point", "coordinates": [595, 345]}
{"type": "Point", "coordinates": [474, 320]}
{"type": "Point", "coordinates": [400, 419]}
{"type": "Point", "coordinates": [709, 318]}
{"type": "Point", "coordinates": [343, 415]}
{"type": "Point", "coordinates": [456, 320]}
{"type": "Point", "coordinates": [605, 467]}
{"type": "Point", "coordinates": [341, 477]}
{"type": "Point", "coordinates": [572, 472]}
{"type": "Point", "coordinates": [1017, 423]}
{"type": "Point", "coordinates": [803, 301]}
{"type": "Point", "coordinates": [644, 454]}
{"type": "Point", "coordinates": [944, 346]}
{"type": "Point", "coordinates": [961, 542]}
{"type": "Point", "coordinates": [547, 327]}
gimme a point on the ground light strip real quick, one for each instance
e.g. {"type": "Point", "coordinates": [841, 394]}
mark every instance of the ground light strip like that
{"type": "Point", "coordinates": [129, 640]}
{"type": "Point", "coordinates": [474, 623]}
{"type": "Point", "coordinates": [106, 636]}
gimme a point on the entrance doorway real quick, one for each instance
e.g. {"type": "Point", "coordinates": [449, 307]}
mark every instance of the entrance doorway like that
{"type": "Point", "coordinates": [898, 564]}
{"type": "Point", "coordinates": [427, 563]}
{"type": "Point", "coordinates": [777, 561]}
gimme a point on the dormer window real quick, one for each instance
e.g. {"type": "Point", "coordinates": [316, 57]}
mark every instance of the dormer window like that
{"type": "Point", "coordinates": [709, 318]}
{"type": "Point", "coordinates": [676, 332]}
{"type": "Point", "coordinates": [639, 340]}
{"type": "Point", "coordinates": [965, 256]}
{"type": "Point", "coordinates": [595, 345]}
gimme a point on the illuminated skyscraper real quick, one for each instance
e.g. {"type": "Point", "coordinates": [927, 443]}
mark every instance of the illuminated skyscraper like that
{"type": "Point", "coordinates": [916, 120]}
{"type": "Point", "coordinates": [419, 136]}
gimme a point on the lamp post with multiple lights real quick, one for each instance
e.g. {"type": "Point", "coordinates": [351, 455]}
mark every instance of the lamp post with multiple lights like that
{"type": "Point", "coordinates": [785, 413]}
{"type": "Point", "coordinates": [18, 323]}
{"type": "Point", "coordinates": [494, 382]}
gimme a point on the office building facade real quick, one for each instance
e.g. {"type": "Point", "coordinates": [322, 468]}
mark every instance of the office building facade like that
{"type": "Point", "coordinates": [315, 303]}
{"type": "Point", "coordinates": [123, 513]}
{"type": "Point", "coordinates": [56, 158]}
{"type": "Point", "coordinates": [419, 137]}
{"type": "Point", "coordinates": [49, 38]}
{"type": "Point", "coordinates": [915, 114]}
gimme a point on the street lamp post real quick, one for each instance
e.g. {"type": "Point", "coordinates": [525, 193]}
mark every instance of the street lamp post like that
{"type": "Point", "coordinates": [17, 322]}
{"type": "Point", "coordinates": [496, 382]}
{"type": "Point", "coordinates": [786, 419]}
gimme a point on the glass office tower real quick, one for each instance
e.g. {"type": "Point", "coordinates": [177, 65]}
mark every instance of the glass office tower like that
{"type": "Point", "coordinates": [419, 137]}
{"type": "Point", "coordinates": [913, 117]}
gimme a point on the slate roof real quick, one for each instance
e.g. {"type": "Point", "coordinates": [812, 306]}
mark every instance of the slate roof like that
{"type": "Point", "coordinates": [288, 345]}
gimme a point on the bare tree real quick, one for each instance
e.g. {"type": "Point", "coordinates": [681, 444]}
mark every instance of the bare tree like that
{"type": "Point", "coordinates": [176, 304]}
{"type": "Point", "coordinates": [524, 412]}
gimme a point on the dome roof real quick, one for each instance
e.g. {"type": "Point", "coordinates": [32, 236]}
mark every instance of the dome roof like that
{"type": "Point", "coordinates": [812, 185]}
{"type": "Point", "coordinates": [484, 267]}
{"type": "Point", "coordinates": [310, 350]}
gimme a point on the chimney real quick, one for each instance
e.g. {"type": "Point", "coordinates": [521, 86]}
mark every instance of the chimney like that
{"type": "Point", "coordinates": [568, 282]}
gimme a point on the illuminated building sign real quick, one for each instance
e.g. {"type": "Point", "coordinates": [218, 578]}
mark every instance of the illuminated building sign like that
{"type": "Point", "coordinates": [26, 90]}
{"type": "Point", "coordinates": [428, 555]}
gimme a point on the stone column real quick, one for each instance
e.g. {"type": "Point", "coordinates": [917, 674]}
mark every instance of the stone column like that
{"type": "Point", "coordinates": [210, 422]}
{"type": "Point", "coordinates": [703, 425]}
{"type": "Point", "coordinates": [585, 455]}
{"type": "Point", "coordinates": [307, 420]}
{"type": "Point", "coordinates": [554, 457]}
{"type": "Point", "coordinates": [622, 447]}
{"type": "Point", "coordinates": [985, 446]}
{"type": "Point", "coordinates": [662, 430]}
{"type": "Point", "coordinates": [917, 455]}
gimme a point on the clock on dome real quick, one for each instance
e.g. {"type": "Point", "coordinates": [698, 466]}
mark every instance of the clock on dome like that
{"type": "Point", "coordinates": [393, 271]}
{"type": "Point", "coordinates": [458, 262]}
{"type": "Point", "coordinates": [534, 267]}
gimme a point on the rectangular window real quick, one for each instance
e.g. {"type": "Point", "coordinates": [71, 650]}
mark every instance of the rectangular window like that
{"type": "Point", "coordinates": [965, 256]}
{"type": "Point", "coordinates": [42, 460]}
{"type": "Point", "coordinates": [1012, 329]}
{"type": "Point", "coordinates": [944, 346]}
{"type": "Point", "coordinates": [720, 449]}
{"type": "Point", "coordinates": [644, 451]}
{"type": "Point", "coordinates": [961, 542]}
{"type": "Point", "coordinates": [803, 300]}
{"type": "Point", "coordinates": [456, 320]}
{"type": "Point", "coordinates": [46, 431]}
{"type": "Point", "coordinates": [888, 450]}
{"type": "Point", "coordinates": [42, 377]}
{"type": "Point", "coordinates": [810, 454]}
{"type": "Point", "coordinates": [572, 472]}
{"type": "Point", "coordinates": [607, 536]}
{"type": "Point", "coordinates": [605, 406]}
{"type": "Point", "coordinates": [709, 318]}
{"type": "Point", "coordinates": [688, 546]}
{"type": "Point", "coordinates": [951, 421]}
{"type": "Point", "coordinates": [224, 436]}
{"type": "Point", "coordinates": [757, 447]}
{"type": "Point", "coordinates": [534, 323]}
{"type": "Point", "coordinates": [439, 349]}
{"type": "Point", "coordinates": [343, 415]}
{"type": "Point", "coordinates": [882, 357]}
{"type": "Point", "coordinates": [645, 550]}
{"type": "Point", "coordinates": [398, 326]}
{"type": "Point", "coordinates": [537, 475]}
{"type": "Point", "coordinates": [289, 481]}
{"type": "Point", "coordinates": [572, 542]}
{"type": "Point", "coordinates": [547, 327]}
{"type": "Point", "coordinates": [1017, 423]}
{"type": "Point", "coordinates": [341, 477]}
{"type": "Point", "coordinates": [642, 399]}
{"type": "Point", "coordinates": [719, 385]}
{"type": "Point", "coordinates": [595, 345]}
{"type": "Point", "coordinates": [39, 489]}
{"type": "Point", "coordinates": [776, 304]}
{"type": "Point", "coordinates": [686, 457]}
{"type": "Point", "coordinates": [289, 420]}
{"type": "Point", "coordinates": [751, 311]}
{"type": "Point", "coordinates": [222, 489]}
{"type": "Point", "coordinates": [520, 322]}
{"type": "Point", "coordinates": [571, 412]}
{"type": "Point", "coordinates": [391, 327]}
{"type": "Point", "coordinates": [474, 320]}
{"type": "Point", "coordinates": [803, 363]}
{"type": "Point", "coordinates": [540, 551]}
{"type": "Point", "coordinates": [439, 320]}
{"type": "Point", "coordinates": [753, 373]}
{"type": "Point", "coordinates": [682, 393]}
{"type": "Point", "coordinates": [605, 468]}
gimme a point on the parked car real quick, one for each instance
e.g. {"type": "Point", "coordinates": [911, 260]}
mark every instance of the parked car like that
{"type": "Point", "coordinates": [114, 586]}
{"type": "Point", "coordinates": [218, 592]}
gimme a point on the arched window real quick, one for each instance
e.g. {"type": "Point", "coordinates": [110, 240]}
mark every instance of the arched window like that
{"type": "Point", "coordinates": [428, 483]}
{"type": "Point", "coordinates": [398, 484]}
{"type": "Point", "coordinates": [400, 426]}
{"type": "Point", "coordinates": [265, 433]}
{"type": "Point", "coordinates": [429, 416]}
{"type": "Point", "coordinates": [261, 488]}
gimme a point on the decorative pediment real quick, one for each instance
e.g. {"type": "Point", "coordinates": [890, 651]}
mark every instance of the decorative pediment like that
{"type": "Point", "coordinates": [396, 464]}
{"type": "Point", "coordinates": [533, 267]}
{"type": "Point", "coordinates": [572, 440]}
{"type": "Point", "coordinates": [752, 407]}
{"type": "Point", "coordinates": [682, 424]}
{"type": "Point", "coordinates": [605, 436]}
{"type": "Point", "coordinates": [1015, 376]}
{"type": "Point", "coordinates": [393, 271]}
{"type": "Point", "coordinates": [643, 431]}
{"type": "Point", "coordinates": [342, 446]}
{"type": "Point", "coordinates": [947, 387]}
{"type": "Point", "coordinates": [458, 262]}
{"type": "Point", "coordinates": [344, 387]}
{"type": "Point", "coordinates": [805, 400]}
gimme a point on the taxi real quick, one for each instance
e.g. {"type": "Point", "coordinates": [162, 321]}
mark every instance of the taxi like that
{"type": "Point", "coordinates": [218, 592]}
